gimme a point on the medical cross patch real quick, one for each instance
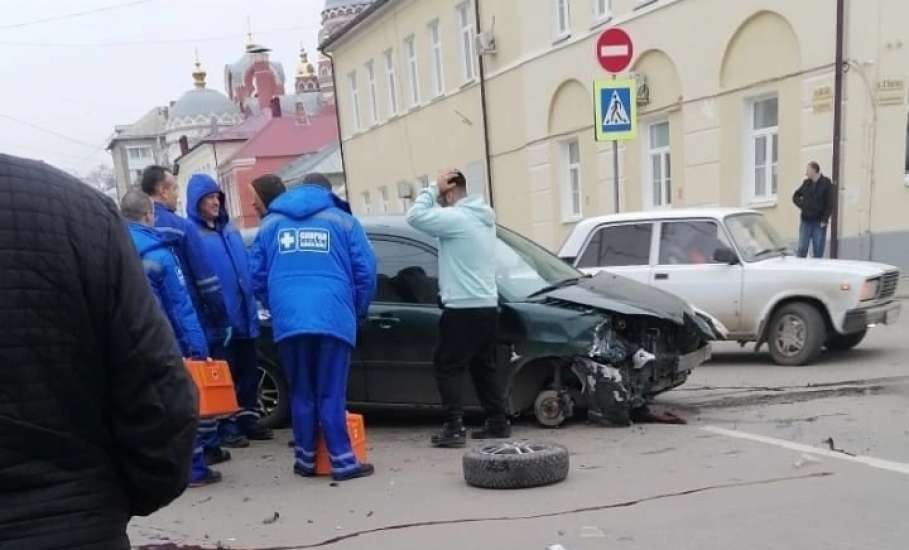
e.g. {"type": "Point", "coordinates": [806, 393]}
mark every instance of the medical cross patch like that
{"type": "Point", "coordinates": [287, 241]}
{"type": "Point", "coordinates": [314, 240]}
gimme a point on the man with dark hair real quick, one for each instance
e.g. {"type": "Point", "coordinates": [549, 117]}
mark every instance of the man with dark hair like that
{"type": "Point", "coordinates": [266, 189]}
{"type": "Point", "coordinates": [466, 229]}
{"type": "Point", "coordinates": [167, 282]}
{"type": "Point", "coordinates": [98, 413]}
{"type": "Point", "coordinates": [204, 286]}
{"type": "Point", "coordinates": [815, 198]}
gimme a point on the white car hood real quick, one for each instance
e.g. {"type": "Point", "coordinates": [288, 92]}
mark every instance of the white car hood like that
{"type": "Point", "coordinates": [829, 267]}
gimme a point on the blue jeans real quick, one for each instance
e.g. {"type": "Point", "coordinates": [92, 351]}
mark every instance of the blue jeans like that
{"type": "Point", "coordinates": [317, 369]}
{"type": "Point", "coordinates": [813, 234]}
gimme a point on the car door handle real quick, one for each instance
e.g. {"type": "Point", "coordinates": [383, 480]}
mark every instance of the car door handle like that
{"type": "Point", "coordinates": [661, 276]}
{"type": "Point", "coordinates": [385, 322]}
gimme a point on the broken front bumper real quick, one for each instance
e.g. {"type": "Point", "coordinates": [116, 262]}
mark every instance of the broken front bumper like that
{"type": "Point", "coordinates": [858, 320]}
{"type": "Point", "coordinates": [688, 362]}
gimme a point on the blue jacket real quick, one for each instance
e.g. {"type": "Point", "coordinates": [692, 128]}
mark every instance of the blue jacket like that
{"type": "Point", "coordinates": [204, 286]}
{"type": "Point", "coordinates": [166, 278]}
{"type": "Point", "coordinates": [313, 265]}
{"type": "Point", "coordinates": [226, 254]}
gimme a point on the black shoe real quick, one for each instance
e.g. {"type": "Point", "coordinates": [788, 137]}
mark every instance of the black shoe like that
{"type": "Point", "coordinates": [235, 441]}
{"type": "Point", "coordinates": [452, 436]}
{"type": "Point", "coordinates": [304, 472]}
{"type": "Point", "coordinates": [365, 470]}
{"type": "Point", "coordinates": [216, 455]}
{"type": "Point", "coordinates": [210, 478]}
{"type": "Point", "coordinates": [493, 429]}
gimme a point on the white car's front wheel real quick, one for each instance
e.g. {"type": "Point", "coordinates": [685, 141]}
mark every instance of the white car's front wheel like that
{"type": "Point", "coordinates": [796, 335]}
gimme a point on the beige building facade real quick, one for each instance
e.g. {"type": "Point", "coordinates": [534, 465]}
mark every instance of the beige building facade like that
{"type": "Point", "coordinates": [735, 99]}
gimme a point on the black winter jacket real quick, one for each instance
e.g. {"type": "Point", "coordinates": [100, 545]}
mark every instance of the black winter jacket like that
{"type": "Point", "coordinates": [97, 412]}
{"type": "Point", "coordinates": [815, 199]}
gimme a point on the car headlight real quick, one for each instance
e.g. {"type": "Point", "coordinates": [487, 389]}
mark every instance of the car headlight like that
{"type": "Point", "coordinates": [870, 290]}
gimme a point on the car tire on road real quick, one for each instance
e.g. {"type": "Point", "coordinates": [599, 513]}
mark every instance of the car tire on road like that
{"type": "Point", "coordinates": [845, 342]}
{"type": "Point", "coordinates": [796, 334]}
{"type": "Point", "coordinates": [273, 395]}
{"type": "Point", "coordinates": [515, 465]}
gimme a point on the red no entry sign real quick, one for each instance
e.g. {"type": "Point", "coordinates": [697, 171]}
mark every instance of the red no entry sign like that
{"type": "Point", "coordinates": [614, 50]}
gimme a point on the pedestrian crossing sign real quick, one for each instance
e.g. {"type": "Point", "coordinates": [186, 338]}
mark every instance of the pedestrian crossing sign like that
{"type": "Point", "coordinates": [616, 110]}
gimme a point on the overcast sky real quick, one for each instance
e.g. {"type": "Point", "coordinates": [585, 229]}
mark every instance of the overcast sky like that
{"type": "Point", "coordinates": [68, 81]}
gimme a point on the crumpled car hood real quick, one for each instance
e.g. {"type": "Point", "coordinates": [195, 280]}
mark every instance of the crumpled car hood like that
{"type": "Point", "coordinates": [626, 296]}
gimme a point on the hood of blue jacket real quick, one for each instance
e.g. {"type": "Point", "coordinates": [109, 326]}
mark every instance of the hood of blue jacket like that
{"type": "Point", "coordinates": [147, 238]}
{"type": "Point", "coordinates": [199, 186]}
{"type": "Point", "coordinates": [306, 200]}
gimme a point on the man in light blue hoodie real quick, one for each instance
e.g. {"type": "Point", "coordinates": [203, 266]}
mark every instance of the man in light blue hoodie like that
{"type": "Point", "coordinates": [466, 229]}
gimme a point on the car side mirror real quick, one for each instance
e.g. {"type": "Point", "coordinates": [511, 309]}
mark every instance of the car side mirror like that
{"type": "Point", "coordinates": [724, 255]}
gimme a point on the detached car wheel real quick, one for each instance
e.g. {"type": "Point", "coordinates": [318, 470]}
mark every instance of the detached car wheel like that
{"type": "Point", "coordinates": [796, 335]}
{"type": "Point", "coordinates": [274, 397]}
{"type": "Point", "coordinates": [845, 342]}
{"type": "Point", "coordinates": [516, 465]}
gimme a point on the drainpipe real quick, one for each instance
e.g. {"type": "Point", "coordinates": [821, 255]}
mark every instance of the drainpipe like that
{"type": "Point", "coordinates": [334, 83]}
{"type": "Point", "coordinates": [837, 128]}
{"type": "Point", "coordinates": [482, 76]}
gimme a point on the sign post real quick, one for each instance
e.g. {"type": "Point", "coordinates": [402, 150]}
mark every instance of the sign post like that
{"type": "Point", "coordinates": [615, 100]}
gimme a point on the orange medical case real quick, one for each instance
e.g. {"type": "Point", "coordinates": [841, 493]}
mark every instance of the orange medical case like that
{"type": "Point", "coordinates": [217, 396]}
{"type": "Point", "coordinates": [356, 427]}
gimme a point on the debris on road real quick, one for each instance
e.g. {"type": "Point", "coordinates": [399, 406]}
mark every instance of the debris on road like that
{"type": "Point", "coordinates": [272, 519]}
{"type": "Point", "coordinates": [556, 547]}
{"type": "Point", "coordinates": [832, 445]}
{"type": "Point", "coordinates": [592, 532]}
{"type": "Point", "coordinates": [807, 460]}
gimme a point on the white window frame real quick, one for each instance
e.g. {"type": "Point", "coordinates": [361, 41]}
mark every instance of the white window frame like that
{"type": "Point", "coordinates": [665, 154]}
{"type": "Point", "coordinates": [561, 12]}
{"type": "Point", "coordinates": [371, 90]}
{"type": "Point", "coordinates": [391, 82]}
{"type": "Point", "coordinates": [771, 166]}
{"type": "Point", "coordinates": [386, 203]}
{"type": "Point", "coordinates": [602, 11]}
{"type": "Point", "coordinates": [354, 101]}
{"type": "Point", "coordinates": [468, 42]}
{"type": "Point", "coordinates": [436, 69]}
{"type": "Point", "coordinates": [413, 71]}
{"type": "Point", "coordinates": [367, 203]}
{"type": "Point", "coordinates": [568, 172]}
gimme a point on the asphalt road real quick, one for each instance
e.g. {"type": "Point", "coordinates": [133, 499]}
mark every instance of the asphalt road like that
{"type": "Point", "coordinates": [753, 469]}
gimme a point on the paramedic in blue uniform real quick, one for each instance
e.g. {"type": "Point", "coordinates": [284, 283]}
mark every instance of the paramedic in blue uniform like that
{"type": "Point", "coordinates": [315, 269]}
{"type": "Point", "coordinates": [204, 287]}
{"type": "Point", "coordinates": [225, 253]}
{"type": "Point", "coordinates": [166, 279]}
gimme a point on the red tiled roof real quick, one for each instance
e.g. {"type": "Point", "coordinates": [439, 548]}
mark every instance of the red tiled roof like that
{"type": "Point", "coordinates": [285, 136]}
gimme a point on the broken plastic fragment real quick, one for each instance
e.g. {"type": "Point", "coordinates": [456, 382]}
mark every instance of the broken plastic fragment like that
{"type": "Point", "coordinates": [641, 358]}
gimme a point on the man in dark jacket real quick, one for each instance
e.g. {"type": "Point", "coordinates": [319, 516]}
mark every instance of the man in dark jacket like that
{"type": "Point", "coordinates": [169, 285]}
{"type": "Point", "coordinates": [815, 198]}
{"type": "Point", "coordinates": [314, 267]}
{"type": "Point", "coordinates": [97, 412]}
{"type": "Point", "coordinates": [204, 286]}
{"type": "Point", "coordinates": [225, 253]}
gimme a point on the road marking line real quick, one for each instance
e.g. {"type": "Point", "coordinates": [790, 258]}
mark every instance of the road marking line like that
{"type": "Point", "coordinates": [889, 465]}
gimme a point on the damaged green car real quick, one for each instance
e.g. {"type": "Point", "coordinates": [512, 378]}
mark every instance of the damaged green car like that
{"type": "Point", "coordinates": [567, 342]}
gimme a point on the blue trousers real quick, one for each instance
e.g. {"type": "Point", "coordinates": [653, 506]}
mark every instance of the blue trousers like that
{"type": "Point", "coordinates": [812, 234]}
{"type": "Point", "coordinates": [199, 469]}
{"type": "Point", "coordinates": [240, 354]}
{"type": "Point", "coordinates": [316, 368]}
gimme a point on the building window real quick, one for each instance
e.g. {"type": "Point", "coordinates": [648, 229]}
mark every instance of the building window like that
{"type": "Point", "coordinates": [435, 55]}
{"type": "Point", "coordinates": [571, 181]}
{"type": "Point", "coordinates": [763, 148]}
{"type": "Point", "coordinates": [371, 83]}
{"type": "Point", "coordinates": [562, 19]}
{"type": "Point", "coordinates": [602, 10]}
{"type": "Point", "coordinates": [467, 36]}
{"type": "Point", "coordinates": [386, 206]}
{"type": "Point", "coordinates": [659, 190]}
{"type": "Point", "coordinates": [423, 182]}
{"type": "Point", "coordinates": [139, 154]}
{"type": "Point", "coordinates": [367, 204]}
{"type": "Point", "coordinates": [413, 72]}
{"type": "Point", "coordinates": [354, 100]}
{"type": "Point", "coordinates": [391, 83]}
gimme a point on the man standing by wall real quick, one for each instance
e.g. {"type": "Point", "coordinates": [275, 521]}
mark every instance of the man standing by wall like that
{"type": "Point", "coordinates": [225, 253]}
{"type": "Point", "coordinates": [204, 287]}
{"type": "Point", "coordinates": [98, 413]}
{"type": "Point", "coordinates": [466, 229]}
{"type": "Point", "coordinates": [167, 282]}
{"type": "Point", "coordinates": [815, 198]}
{"type": "Point", "coordinates": [314, 267]}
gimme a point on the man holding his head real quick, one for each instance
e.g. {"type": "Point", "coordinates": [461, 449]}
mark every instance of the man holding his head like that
{"type": "Point", "coordinates": [466, 228]}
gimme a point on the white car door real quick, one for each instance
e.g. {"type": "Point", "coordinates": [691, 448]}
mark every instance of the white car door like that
{"type": "Point", "coordinates": [622, 248]}
{"type": "Point", "coordinates": [686, 266]}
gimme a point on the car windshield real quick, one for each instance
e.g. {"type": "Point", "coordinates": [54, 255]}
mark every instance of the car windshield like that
{"type": "Point", "coordinates": [755, 238]}
{"type": "Point", "coordinates": [524, 268]}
